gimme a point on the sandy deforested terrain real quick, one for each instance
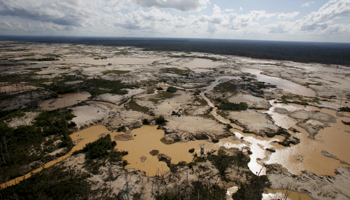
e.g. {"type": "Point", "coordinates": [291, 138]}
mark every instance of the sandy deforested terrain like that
{"type": "Point", "coordinates": [187, 91]}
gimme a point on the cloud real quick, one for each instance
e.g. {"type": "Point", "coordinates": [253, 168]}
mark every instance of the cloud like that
{"type": "Point", "coordinates": [7, 25]}
{"type": "Point", "coordinates": [290, 15]}
{"type": "Point", "coordinates": [61, 12]}
{"type": "Point", "coordinates": [182, 5]}
{"type": "Point", "coordinates": [278, 29]}
{"type": "Point", "coordinates": [150, 20]}
{"type": "Point", "coordinates": [307, 4]}
{"type": "Point", "coordinates": [326, 16]}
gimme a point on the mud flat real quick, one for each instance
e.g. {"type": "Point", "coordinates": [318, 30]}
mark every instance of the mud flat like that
{"type": "Point", "coordinates": [253, 121]}
{"type": "Point", "coordinates": [64, 100]}
{"type": "Point", "coordinates": [20, 87]}
{"type": "Point", "coordinates": [185, 128]}
{"type": "Point", "coordinates": [252, 101]}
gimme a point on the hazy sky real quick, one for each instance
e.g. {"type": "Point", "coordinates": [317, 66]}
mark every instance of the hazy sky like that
{"type": "Point", "coordinates": [296, 20]}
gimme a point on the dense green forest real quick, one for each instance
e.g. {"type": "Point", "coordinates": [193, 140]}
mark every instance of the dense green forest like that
{"type": "Point", "coordinates": [327, 53]}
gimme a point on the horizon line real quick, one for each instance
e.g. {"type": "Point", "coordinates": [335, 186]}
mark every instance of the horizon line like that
{"type": "Point", "coordinates": [150, 38]}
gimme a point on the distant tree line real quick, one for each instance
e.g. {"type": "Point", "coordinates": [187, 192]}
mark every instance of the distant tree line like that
{"type": "Point", "coordinates": [327, 53]}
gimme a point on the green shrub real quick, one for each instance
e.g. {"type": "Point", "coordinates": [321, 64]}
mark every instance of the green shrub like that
{"type": "Point", "coordinates": [160, 120]}
{"type": "Point", "coordinates": [233, 106]}
{"type": "Point", "coordinates": [345, 109]}
{"type": "Point", "coordinates": [145, 122]}
{"type": "Point", "coordinates": [100, 148]}
{"type": "Point", "coordinates": [122, 129]}
{"type": "Point", "coordinates": [171, 89]}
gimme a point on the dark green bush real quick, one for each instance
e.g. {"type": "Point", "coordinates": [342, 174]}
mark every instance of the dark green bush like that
{"type": "Point", "coordinates": [145, 121]}
{"type": "Point", "coordinates": [345, 109]}
{"type": "Point", "coordinates": [171, 89]}
{"type": "Point", "coordinates": [160, 120]}
{"type": "Point", "coordinates": [233, 106]}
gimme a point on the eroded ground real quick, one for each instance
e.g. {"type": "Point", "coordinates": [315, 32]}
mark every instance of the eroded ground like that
{"type": "Point", "coordinates": [276, 112]}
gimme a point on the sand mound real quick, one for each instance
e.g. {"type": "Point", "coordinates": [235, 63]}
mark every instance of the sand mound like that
{"type": "Point", "coordinates": [188, 128]}
{"type": "Point", "coordinates": [252, 101]}
{"type": "Point", "coordinates": [258, 123]}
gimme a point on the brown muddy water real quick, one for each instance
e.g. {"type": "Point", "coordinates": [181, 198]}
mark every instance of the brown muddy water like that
{"type": "Point", "coordinates": [307, 155]}
{"type": "Point", "coordinates": [284, 195]}
{"type": "Point", "coordinates": [64, 100]}
{"type": "Point", "coordinates": [148, 138]}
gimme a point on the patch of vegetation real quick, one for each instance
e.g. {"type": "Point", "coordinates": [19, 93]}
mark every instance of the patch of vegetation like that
{"type": "Point", "coordinates": [308, 84]}
{"type": "Point", "coordinates": [344, 109]}
{"type": "Point", "coordinates": [171, 89]}
{"type": "Point", "coordinates": [222, 162]}
{"type": "Point", "coordinates": [24, 145]}
{"type": "Point", "coordinates": [122, 53]}
{"type": "Point", "coordinates": [132, 105]}
{"type": "Point", "coordinates": [41, 59]}
{"type": "Point", "coordinates": [197, 190]}
{"type": "Point", "coordinates": [280, 131]}
{"type": "Point", "coordinates": [177, 71]}
{"type": "Point", "coordinates": [17, 113]}
{"type": "Point", "coordinates": [228, 86]}
{"type": "Point", "coordinates": [161, 121]}
{"type": "Point", "coordinates": [253, 189]}
{"type": "Point", "coordinates": [299, 100]}
{"type": "Point", "coordinates": [228, 127]}
{"type": "Point", "coordinates": [16, 78]}
{"type": "Point", "coordinates": [118, 72]}
{"type": "Point", "coordinates": [223, 113]}
{"type": "Point", "coordinates": [99, 152]}
{"type": "Point", "coordinates": [58, 83]}
{"type": "Point", "coordinates": [121, 129]}
{"type": "Point", "coordinates": [288, 138]}
{"type": "Point", "coordinates": [52, 183]}
{"type": "Point", "coordinates": [224, 105]}
{"type": "Point", "coordinates": [201, 102]}
{"type": "Point", "coordinates": [99, 86]}
{"type": "Point", "coordinates": [203, 189]}
{"type": "Point", "coordinates": [99, 148]}
{"type": "Point", "coordinates": [145, 122]}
